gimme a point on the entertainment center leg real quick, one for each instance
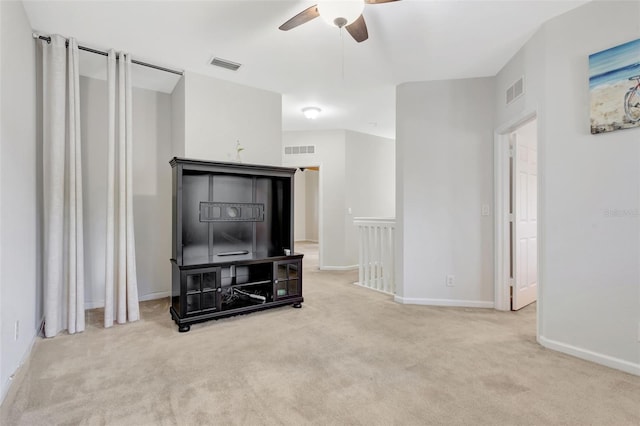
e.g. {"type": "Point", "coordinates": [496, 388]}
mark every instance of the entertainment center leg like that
{"type": "Point", "coordinates": [297, 305]}
{"type": "Point", "coordinates": [184, 328]}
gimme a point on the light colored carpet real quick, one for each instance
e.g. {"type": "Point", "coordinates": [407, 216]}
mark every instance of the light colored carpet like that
{"type": "Point", "coordinates": [349, 356]}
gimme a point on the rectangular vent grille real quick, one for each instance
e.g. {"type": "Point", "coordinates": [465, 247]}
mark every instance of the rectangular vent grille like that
{"type": "Point", "coordinates": [304, 149]}
{"type": "Point", "coordinates": [515, 90]}
{"type": "Point", "coordinates": [223, 63]}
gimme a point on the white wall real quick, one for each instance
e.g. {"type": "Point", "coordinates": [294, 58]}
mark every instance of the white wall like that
{"type": "Point", "coordinates": [300, 207]}
{"type": "Point", "coordinates": [312, 198]}
{"type": "Point", "coordinates": [306, 200]}
{"type": "Point", "coordinates": [444, 163]}
{"type": "Point", "coordinates": [357, 173]}
{"type": "Point", "coordinates": [329, 155]}
{"type": "Point", "coordinates": [152, 192]}
{"type": "Point", "coordinates": [371, 183]}
{"type": "Point", "coordinates": [218, 113]}
{"type": "Point", "coordinates": [530, 63]}
{"type": "Point", "coordinates": [371, 170]}
{"type": "Point", "coordinates": [589, 277]}
{"type": "Point", "coordinates": [18, 241]}
{"type": "Point", "coordinates": [178, 119]}
{"type": "Point", "coordinates": [151, 188]}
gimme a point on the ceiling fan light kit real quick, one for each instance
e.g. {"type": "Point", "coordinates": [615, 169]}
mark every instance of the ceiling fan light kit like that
{"type": "Point", "coordinates": [311, 112]}
{"type": "Point", "coordinates": [339, 13]}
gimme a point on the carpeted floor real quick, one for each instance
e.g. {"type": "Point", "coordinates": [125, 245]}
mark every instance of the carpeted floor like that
{"type": "Point", "coordinates": [349, 356]}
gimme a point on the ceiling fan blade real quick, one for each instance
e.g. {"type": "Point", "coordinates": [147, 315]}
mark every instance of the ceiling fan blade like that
{"type": "Point", "coordinates": [358, 30]}
{"type": "Point", "coordinates": [301, 18]}
{"type": "Point", "coordinates": [378, 1]}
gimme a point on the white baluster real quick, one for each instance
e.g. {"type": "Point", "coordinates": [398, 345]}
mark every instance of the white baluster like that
{"type": "Point", "coordinates": [360, 256]}
{"type": "Point", "coordinates": [367, 261]}
{"type": "Point", "coordinates": [385, 258]}
{"type": "Point", "coordinates": [376, 254]}
{"type": "Point", "coordinates": [378, 262]}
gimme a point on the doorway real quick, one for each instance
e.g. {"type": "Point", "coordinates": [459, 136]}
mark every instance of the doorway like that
{"type": "Point", "coordinates": [307, 209]}
{"type": "Point", "coordinates": [517, 224]}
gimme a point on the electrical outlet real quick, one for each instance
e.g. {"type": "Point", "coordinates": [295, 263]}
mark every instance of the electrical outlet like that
{"type": "Point", "coordinates": [16, 330]}
{"type": "Point", "coordinates": [485, 210]}
{"type": "Point", "coordinates": [450, 281]}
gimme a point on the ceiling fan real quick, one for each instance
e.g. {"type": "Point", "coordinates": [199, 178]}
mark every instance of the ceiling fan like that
{"type": "Point", "coordinates": [341, 13]}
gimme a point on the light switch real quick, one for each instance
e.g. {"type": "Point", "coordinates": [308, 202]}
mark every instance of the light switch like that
{"type": "Point", "coordinates": [485, 210]}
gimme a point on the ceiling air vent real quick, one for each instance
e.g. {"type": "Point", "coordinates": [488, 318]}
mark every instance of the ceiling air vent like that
{"type": "Point", "coordinates": [515, 90]}
{"type": "Point", "coordinates": [223, 63]}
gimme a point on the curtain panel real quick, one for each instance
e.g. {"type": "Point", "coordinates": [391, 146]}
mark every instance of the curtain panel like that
{"type": "Point", "coordinates": [121, 287]}
{"type": "Point", "coordinates": [63, 257]}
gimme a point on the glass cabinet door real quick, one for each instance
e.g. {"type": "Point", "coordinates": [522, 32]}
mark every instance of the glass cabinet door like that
{"type": "Point", "coordinates": [288, 279]}
{"type": "Point", "coordinates": [201, 290]}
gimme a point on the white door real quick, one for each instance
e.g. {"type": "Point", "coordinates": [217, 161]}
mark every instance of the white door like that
{"type": "Point", "coordinates": [525, 216]}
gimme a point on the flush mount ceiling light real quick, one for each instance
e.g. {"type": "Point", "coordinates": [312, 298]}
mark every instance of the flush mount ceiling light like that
{"type": "Point", "coordinates": [311, 112]}
{"type": "Point", "coordinates": [340, 12]}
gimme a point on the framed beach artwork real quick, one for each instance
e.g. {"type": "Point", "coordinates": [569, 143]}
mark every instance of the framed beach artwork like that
{"type": "Point", "coordinates": [614, 85]}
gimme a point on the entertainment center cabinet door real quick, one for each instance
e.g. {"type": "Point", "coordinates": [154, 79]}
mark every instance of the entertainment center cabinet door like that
{"type": "Point", "coordinates": [288, 282]}
{"type": "Point", "coordinates": [201, 290]}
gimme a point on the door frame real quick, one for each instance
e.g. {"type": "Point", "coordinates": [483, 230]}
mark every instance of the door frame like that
{"type": "Point", "coordinates": [502, 295]}
{"type": "Point", "coordinates": [320, 205]}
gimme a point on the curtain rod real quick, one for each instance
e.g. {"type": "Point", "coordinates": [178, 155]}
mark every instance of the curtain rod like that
{"type": "Point", "coordinates": [103, 53]}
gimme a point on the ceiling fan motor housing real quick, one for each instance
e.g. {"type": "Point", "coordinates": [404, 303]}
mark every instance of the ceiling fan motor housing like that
{"type": "Point", "coordinates": [340, 22]}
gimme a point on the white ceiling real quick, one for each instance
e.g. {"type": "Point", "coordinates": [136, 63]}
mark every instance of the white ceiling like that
{"type": "Point", "coordinates": [354, 84]}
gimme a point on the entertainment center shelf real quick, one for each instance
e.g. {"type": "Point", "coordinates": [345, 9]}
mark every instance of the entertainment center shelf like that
{"type": "Point", "coordinates": [232, 240]}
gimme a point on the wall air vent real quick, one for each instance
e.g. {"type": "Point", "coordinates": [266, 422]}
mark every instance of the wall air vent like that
{"type": "Point", "coordinates": [304, 149]}
{"type": "Point", "coordinates": [223, 63]}
{"type": "Point", "coordinates": [515, 90]}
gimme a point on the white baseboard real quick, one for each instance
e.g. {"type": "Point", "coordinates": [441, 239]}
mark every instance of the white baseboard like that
{"type": "Point", "coordinates": [374, 289]}
{"type": "Point", "coordinates": [151, 296]}
{"type": "Point", "coordinates": [444, 302]}
{"type": "Point", "coordinates": [154, 296]}
{"type": "Point", "coordinates": [598, 358]}
{"type": "Point", "coordinates": [94, 304]}
{"type": "Point", "coordinates": [339, 268]}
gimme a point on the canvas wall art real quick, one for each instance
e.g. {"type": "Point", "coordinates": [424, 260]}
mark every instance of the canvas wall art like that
{"type": "Point", "coordinates": [614, 85]}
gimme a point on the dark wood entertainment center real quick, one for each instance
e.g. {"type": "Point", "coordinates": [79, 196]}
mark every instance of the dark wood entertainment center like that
{"type": "Point", "coordinates": [232, 240]}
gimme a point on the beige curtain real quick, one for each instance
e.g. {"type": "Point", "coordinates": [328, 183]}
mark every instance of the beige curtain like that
{"type": "Point", "coordinates": [121, 286]}
{"type": "Point", "coordinates": [62, 188]}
